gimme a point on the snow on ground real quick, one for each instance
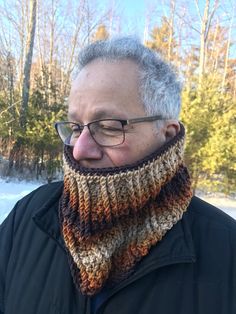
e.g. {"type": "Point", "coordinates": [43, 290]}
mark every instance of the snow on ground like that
{"type": "Point", "coordinates": [11, 192]}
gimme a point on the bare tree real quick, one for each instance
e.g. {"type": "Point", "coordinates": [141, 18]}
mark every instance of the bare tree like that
{"type": "Point", "coordinates": [171, 28]}
{"type": "Point", "coordinates": [28, 62]}
{"type": "Point", "coordinates": [228, 49]}
{"type": "Point", "coordinates": [205, 20]}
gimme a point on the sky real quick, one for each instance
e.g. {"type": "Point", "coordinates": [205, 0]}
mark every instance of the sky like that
{"type": "Point", "coordinates": [133, 7]}
{"type": "Point", "coordinates": [138, 13]}
{"type": "Point", "coordinates": [131, 14]}
{"type": "Point", "coordinates": [135, 14]}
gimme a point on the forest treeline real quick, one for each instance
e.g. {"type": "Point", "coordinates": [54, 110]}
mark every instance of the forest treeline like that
{"type": "Point", "coordinates": [40, 41]}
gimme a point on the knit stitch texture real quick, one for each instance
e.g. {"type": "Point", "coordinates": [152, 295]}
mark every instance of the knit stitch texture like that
{"type": "Point", "coordinates": [110, 218]}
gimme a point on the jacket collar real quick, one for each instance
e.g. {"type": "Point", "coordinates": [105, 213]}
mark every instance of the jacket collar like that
{"type": "Point", "coordinates": [47, 219]}
{"type": "Point", "coordinates": [175, 247]}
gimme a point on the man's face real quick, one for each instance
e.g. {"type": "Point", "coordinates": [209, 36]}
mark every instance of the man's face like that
{"type": "Point", "coordinates": [110, 90]}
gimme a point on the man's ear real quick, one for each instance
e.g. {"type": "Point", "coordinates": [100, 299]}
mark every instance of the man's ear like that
{"type": "Point", "coordinates": [172, 129]}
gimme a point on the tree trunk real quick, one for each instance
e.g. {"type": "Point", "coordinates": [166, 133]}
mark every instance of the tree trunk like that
{"type": "Point", "coordinates": [205, 27]}
{"type": "Point", "coordinates": [227, 54]}
{"type": "Point", "coordinates": [10, 85]}
{"type": "Point", "coordinates": [171, 33]}
{"type": "Point", "coordinates": [28, 63]}
{"type": "Point", "coordinates": [203, 40]}
{"type": "Point", "coordinates": [51, 52]}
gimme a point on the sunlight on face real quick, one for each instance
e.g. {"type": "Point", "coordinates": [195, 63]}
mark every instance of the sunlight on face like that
{"type": "Point", "coordinates": [110, 90]}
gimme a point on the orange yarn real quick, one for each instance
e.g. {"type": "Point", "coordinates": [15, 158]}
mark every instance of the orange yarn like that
{"type": "Point", "coordinates": [111, 218]}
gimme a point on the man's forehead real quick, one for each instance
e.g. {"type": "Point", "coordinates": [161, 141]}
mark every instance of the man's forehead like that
{"type": "Point", "coordinates": [105, 90]}
{"type": "Point", "coordinates": [97, 113]}
{"type": "Point", "coordinates": [103, 65]}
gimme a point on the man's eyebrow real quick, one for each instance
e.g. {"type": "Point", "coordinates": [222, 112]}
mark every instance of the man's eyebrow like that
{"type": "Point", "coordinates": [99, 114]}
{"type": "Point", "coordinates": [72, 116]}
{"type": "Point", "coordinates": [105, 114]}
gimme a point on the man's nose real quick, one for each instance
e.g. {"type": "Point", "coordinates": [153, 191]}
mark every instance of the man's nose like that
{"type": "Point", "coordinates": [86, 148]}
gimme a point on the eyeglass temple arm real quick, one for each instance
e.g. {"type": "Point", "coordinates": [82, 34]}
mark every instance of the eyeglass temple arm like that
{"type": "Point", "coordinates": [153, 118]}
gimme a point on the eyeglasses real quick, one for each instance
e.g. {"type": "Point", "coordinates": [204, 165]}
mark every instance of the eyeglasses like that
{"type": "Point", "coordinates": [106, 132]}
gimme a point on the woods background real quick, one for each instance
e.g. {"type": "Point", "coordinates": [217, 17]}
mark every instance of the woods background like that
{"type": "Point", "coordinates": [39, 44]}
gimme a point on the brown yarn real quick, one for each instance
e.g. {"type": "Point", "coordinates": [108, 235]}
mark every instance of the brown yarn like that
{"type": "Point", "coordinates": [111, 218]}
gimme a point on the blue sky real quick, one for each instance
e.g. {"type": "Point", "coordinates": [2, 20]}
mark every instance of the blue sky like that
{"type": "Point", "coordinates": [134, 8]}
{"type": "Point", "coordinates": [131, 12]}
{"type": "Point", "coordinates": [135, 11]}
{"type": "Point", "coordinates": [135, 14]}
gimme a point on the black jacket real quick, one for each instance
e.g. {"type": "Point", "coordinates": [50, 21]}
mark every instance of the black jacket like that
{"type": "Point", "coordinates": [191, 271]}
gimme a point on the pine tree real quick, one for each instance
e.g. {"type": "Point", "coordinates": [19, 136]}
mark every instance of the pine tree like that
{"type": "Point", "coordinates": [101, 33]}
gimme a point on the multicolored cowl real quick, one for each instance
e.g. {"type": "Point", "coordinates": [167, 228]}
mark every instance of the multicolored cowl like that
{"type": "Point", "coordinates": [110, 218]}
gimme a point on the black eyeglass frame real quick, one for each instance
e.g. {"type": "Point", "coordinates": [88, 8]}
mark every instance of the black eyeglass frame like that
{"type": "Point", "coordinates": [122, 121]}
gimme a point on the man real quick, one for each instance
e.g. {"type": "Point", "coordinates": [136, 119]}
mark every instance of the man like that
{"type": "Point", "coordinates": [122, 233]}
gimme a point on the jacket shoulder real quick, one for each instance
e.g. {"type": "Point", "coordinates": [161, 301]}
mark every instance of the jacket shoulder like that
{"type": "Point", "coordinates": [211, 226]}
{"type": "Point", "coordinates": [205, 211]}
{"type": "Point", "coordinates": [43, 194]}
{"type": "Point", "coordinates": [213, 233]}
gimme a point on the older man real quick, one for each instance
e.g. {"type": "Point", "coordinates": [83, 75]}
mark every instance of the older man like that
{"type": "Point", "coordinates": [122, 233]}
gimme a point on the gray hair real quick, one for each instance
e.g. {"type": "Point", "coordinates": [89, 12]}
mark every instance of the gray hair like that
{"type": "Point", "coordinates": [159, 88]}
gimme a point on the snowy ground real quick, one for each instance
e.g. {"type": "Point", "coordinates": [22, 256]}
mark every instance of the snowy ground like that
{"type": "Point", "coordinates": [11, 192]}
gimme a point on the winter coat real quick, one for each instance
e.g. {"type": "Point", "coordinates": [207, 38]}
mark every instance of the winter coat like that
{"type": "Point", "coordinates": [191, 271]}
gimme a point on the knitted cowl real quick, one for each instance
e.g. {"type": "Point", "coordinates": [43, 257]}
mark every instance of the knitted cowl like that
{"type": "Point", "coordinates": [110, 218]}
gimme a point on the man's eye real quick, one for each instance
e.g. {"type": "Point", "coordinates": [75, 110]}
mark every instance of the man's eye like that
{"type": "Point", "coordinates": [74, 127]}
{"type": "Point", "coordinates": [109, 131]}
{"type": "Point", "coordinates": [75, 130]}
{"type": "Point", "coordinates": [110, 126]}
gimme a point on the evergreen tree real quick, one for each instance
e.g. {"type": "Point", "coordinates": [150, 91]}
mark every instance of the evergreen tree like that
{"type": "Point", "coordinates": [160, 40]}
{"type": "Point", "coordinates": [209, 118]}
{"type": "Point", "coordinates": [101, 33]}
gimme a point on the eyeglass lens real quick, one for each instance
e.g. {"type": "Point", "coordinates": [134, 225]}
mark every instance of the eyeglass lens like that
{"type": "Point", "coordinates": [104, 132]}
